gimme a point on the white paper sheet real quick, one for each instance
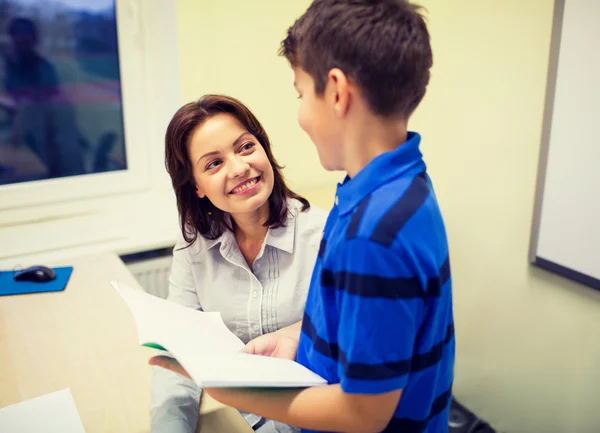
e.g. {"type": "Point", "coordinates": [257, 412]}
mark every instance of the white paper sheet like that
{"type": "Point", "coordinates": [205, 347]}
{"type": "Point", "coordinates": [50, 413]}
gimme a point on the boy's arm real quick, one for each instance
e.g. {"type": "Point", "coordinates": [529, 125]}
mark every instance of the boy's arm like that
{"type": "Point", "coordinates": [292, 331]}
{"type": "Point", "coordinates": [326, 408]}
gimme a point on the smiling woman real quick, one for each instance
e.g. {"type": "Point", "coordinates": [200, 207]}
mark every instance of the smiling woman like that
{"type": "Point", "coordinates": [233, 171]}
{"type": "Point", "coordinates": [247, 246]}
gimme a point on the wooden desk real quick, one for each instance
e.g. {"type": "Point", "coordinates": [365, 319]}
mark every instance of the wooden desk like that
{"type": "Point", "coordinates": [85, 339]}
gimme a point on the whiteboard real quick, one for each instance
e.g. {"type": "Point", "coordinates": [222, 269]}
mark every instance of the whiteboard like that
{"type": "Point", "coordinates": [566, 229]}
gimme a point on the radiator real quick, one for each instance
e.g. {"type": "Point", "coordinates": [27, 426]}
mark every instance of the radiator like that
{"type": "Point", "coordinates": [151, 269]}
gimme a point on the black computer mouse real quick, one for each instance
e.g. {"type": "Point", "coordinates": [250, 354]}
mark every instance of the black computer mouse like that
{"type": "Point", "coordinates": [37, 274]}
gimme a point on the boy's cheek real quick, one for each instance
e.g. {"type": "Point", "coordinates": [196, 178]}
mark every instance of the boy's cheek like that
{"type": "Point", "coordinates": [302, 120]}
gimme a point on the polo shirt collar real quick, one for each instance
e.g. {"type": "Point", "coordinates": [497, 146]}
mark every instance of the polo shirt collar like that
{"type": "Point", "coordinates": [405, 159]}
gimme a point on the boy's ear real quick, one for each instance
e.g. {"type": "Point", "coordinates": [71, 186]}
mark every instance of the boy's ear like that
{"type": "Point", "coordinates": [339, 91]}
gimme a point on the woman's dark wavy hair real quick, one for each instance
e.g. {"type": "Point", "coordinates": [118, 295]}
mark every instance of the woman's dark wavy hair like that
{"type": "Point", "coordinates": [199, 215]}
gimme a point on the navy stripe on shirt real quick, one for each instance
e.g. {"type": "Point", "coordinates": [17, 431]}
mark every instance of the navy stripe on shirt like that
{"type": "Point", "coordinates": [322, 346]}
{"type": "Point", "coordinates": [434, 285]}
{"type": "Point", "coordinates": [394, 219]}
{"type": "Point", "coordinates": [322, 247]}
{"type": "Point", "coordinates": [354, 223]}
{"type": "Point", "coordinates": [375, 286]}
{"type": "Point", "coordinates": [406, 425]}
{"type": "Point", "coordinates": [386, 370]}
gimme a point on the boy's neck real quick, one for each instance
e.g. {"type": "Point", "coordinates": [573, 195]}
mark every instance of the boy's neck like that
{"type": "Point", "coordinates": [369, 136]}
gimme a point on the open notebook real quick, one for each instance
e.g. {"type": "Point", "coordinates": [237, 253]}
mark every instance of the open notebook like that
{"type": "Point", "coordinates": [205, 347]}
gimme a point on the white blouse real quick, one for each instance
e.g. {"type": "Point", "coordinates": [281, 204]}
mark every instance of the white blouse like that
{"type": "Point", "coordinates": [212, 275]}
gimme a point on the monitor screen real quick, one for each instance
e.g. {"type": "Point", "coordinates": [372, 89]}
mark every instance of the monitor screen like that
{"type": "Point", "coordinates": [61, 110]}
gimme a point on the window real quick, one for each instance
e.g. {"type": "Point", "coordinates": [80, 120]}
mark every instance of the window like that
{"type": "Point", "coordinates": [61, 111]}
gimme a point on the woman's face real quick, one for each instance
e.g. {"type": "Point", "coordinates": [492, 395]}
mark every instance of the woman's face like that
{"type": "Point", "coordinates": [230, 166]}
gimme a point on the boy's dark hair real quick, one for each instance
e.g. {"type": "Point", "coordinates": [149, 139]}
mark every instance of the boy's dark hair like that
{"type": "Point", "coordinates": [382, 45]}
{"type": "Point", "coordinates": [199, 215]}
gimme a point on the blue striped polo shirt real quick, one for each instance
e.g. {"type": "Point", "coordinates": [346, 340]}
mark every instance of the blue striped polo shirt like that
{"type": "Point", "coordinates": [378, 316]}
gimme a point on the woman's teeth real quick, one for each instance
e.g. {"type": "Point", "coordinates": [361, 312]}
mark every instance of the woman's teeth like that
{"type": "Point", "coordinates": [245, 186]}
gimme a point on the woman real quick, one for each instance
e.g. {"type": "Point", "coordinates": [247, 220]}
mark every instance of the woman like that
{"type": "Point", "coordinates": [248, 244]}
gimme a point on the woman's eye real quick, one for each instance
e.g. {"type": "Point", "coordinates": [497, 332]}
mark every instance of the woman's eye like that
{"type": "Point", "coordinates": [247, 146]}
{"type": "Point", "coordinates": [212, 165]}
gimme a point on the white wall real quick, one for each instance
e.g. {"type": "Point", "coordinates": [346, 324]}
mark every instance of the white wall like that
{"type": "Point", "coordinates": [528, 342]}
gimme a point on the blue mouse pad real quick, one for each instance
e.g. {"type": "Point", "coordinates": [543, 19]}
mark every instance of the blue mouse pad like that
{"type": "Point", "coordinates": [8, 285]}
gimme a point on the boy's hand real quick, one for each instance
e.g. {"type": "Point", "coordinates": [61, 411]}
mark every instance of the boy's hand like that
{"type": "Point", "coordinates": [276, 344]}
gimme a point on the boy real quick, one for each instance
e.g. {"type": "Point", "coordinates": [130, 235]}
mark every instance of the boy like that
{"type": "Point", "coordinates": [378, 322]}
